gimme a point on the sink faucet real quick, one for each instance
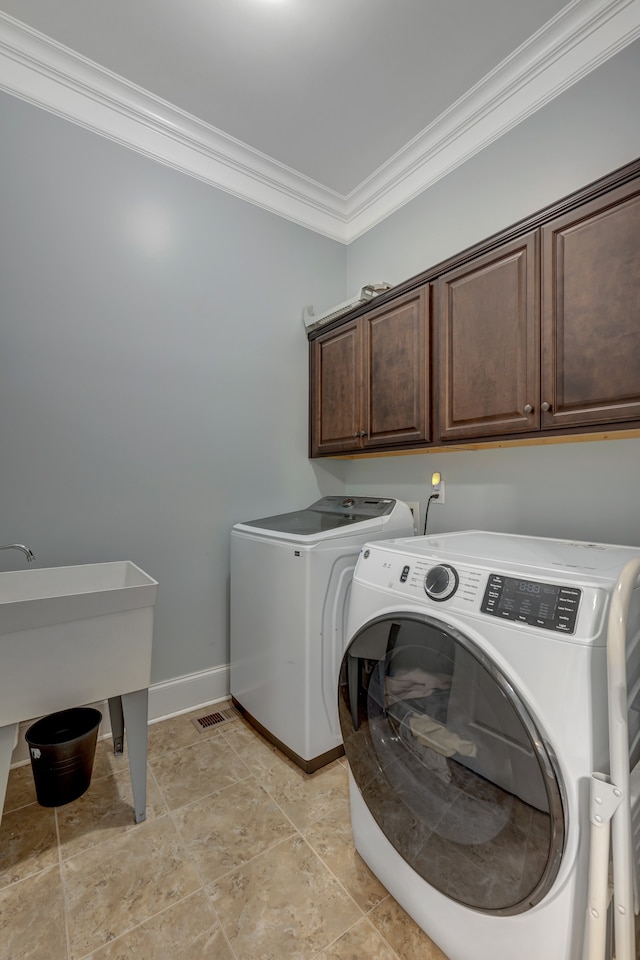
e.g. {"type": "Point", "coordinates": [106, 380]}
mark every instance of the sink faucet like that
{"type": "Point", "coordinates": [19, 546]}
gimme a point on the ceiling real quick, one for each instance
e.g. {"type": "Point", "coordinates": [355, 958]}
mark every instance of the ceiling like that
{"type": "Point", "coordinates": [340, 104]}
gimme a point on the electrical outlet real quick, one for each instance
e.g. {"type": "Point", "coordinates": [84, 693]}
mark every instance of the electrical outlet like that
{"type": "Point", "coordinates": [414, 506]}
{"type": "Point", "coordinates": [439, 489]}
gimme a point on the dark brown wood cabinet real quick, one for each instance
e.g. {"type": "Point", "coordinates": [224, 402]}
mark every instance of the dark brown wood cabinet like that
{"type": "Point", "coordinates": [370, 379]}
{"type": "Point", "coordinates": [591, 312]}
{"type": "Point", "coordinates": [508, 366]}
{"type": "Point", "coordinates": [336, 389]}
{"type": "Point", "coordinates": [536, 333]}
{"type": "Point", "coordinates": [488, 344]}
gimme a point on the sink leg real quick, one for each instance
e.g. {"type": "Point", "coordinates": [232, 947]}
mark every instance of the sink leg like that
{"type": "Point", "coordinates": [117, 724]}
{"type": "Point", "coordinates": [7, 740]}
{"type": "Point", "coordinates": [136, 714]}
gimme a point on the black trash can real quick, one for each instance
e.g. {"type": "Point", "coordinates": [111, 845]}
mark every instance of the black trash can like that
{"type": "Point", "coordinates": [62, 747]}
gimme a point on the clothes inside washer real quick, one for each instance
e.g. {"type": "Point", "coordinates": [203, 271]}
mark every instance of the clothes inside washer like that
{"type": "Point", "coordinates": [437, 737]}
{"type": "Point", "coordinates": [414, 683]}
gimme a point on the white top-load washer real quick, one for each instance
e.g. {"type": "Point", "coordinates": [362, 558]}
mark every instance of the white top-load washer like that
{"type": "Point", "coordinates": [474, 710]}
{"type": "Point", "coordinates": [290, 586]}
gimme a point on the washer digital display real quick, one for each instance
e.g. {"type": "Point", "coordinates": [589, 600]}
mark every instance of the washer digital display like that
{"type": "Point", "coordinates": [545, 605]}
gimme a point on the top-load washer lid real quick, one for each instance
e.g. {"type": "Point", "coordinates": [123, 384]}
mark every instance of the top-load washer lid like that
{"type": "Point", "coordinates": [323, 516]}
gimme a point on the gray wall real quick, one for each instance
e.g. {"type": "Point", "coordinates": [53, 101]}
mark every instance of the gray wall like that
{"type": "Point", "coordinates": [153, 365]}
{"type": "Point", "coordinates": [153, 369]}
{"type": "Point", "coordinates": [579, 490]}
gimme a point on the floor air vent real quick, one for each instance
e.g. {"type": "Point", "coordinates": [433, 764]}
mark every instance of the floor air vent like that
{"type": "Point", "coordinates": [215, 719]}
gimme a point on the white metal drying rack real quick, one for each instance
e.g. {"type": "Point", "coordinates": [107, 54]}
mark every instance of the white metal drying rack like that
{"type": "Point", "coordinates": [615, 807]}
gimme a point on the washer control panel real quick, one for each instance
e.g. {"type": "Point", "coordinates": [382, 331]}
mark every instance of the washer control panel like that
{"type": "Point", "coordinates": [545, 605]}
{"type": "Point", "coordinates": [536, 599]}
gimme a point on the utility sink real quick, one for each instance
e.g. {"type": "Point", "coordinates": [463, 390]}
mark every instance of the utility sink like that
{"type": "Point", "coordinates": [71, 635]}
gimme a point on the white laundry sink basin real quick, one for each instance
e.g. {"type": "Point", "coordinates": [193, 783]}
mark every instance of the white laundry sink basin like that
{"type": "Point", "coordinates": [71, 635]}
{"type": "Point", "coordinates": [36, 598]}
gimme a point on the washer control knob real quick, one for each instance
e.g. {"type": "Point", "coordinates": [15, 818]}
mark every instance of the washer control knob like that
{"type": "Point", "coordinates": [441, 582]}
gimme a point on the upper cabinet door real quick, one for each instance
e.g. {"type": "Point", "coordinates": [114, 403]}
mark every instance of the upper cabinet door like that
{"type": "Point", "coordinates": [396, 372]}
{"type": "Point", "coordinates": [591, 312]}
{"type": "Point", "coordinates": [488, 344]}
{"type": "Point", "coordinates": [336, 376]}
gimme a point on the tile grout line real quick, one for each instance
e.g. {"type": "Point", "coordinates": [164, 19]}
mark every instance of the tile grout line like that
{"type": "Point", "coordinates": [365, 914]}
{"type": "Point", "coordinates": [203, 886]}
{"type": "Point", "coordinates": [255, 773]}
{"type": "Point", "coordinates": [372, 926]}
{"type": "Point", "coordinates": [263, 787]}
{"type": "Point", "coordinates": [213, 793]}
{"type": "Point", "coordinates": [136, 926]}
{"type": "Point", "coordinates": [112, 775]}
{"type": "Point", "coordinates": [232, 786]}
{"type": "Point", "coordinates": [108, 840]}
{"type": "Point", "coordinates": [65, 904]}
{"type": "Point", "coordinates": [335, 877]}
{"type": "Point", "coordinates": [297, 830]}
{"type": "Point", "coordinates": [169, 814]}
{"type": "Point", "coordinates": [246, 863]}
{"type": "Point", "coordinates": [212, 733]}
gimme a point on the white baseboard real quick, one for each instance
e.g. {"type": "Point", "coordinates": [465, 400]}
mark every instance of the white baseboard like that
{"type": "Point", "coordinates": [167, 699]}
{"type": "Point", "coordinates": [172, 697]}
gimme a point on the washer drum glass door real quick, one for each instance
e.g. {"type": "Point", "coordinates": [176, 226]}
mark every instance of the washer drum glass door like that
{"type": "Point", "coordinates": [450, 763]}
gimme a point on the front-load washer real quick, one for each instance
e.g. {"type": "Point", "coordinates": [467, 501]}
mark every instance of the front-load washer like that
{"type": "Point", "coordinates": [290, 585]}
{"type": "Point", "coordinates": [473, 706]}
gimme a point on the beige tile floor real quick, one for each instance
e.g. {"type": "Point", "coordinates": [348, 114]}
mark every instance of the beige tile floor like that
{"type": "Point", "coordinates": [242, 857]}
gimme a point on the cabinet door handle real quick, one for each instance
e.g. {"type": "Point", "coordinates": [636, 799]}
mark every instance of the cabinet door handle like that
{"type": "Point", "coordinates": [528, 408]}
{"type": "Point", "coordinates": [545, 406]}
{"type": "Point", "coordinates": [356, 435]}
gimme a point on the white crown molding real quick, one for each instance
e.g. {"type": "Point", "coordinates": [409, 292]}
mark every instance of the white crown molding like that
{"type": "Point", "coordinates": [581, 37]}
{"type": "Point", "coordinates": [576, 41]}
{"type": "Point", "coordinates": [43, 72]}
